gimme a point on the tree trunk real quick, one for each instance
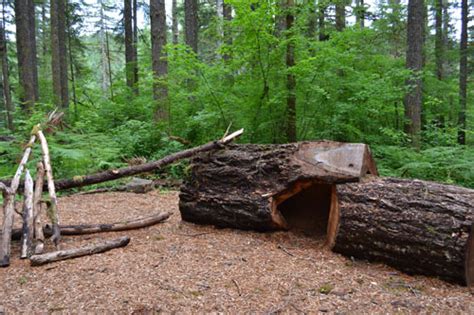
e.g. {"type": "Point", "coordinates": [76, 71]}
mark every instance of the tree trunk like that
{"type": "Point", "coordinates": [174, 23]}
{"type": "Point", "coordinates": [103, 51]}
{"type": "Point", "coordinates": [38, 194]}
{"type": "Point", "coordinates": [130, 62]}
{"type": "Point", "coordinates": [322, 7]}
{"type": "Point", "coordinates": [7, 98]}
{"type": "Point", "coordinates": [227, 12]}
{"type": "Point", "coordinates": [439, 40]}
{"type": "Point", "coordinates": [37, 260]}
{"type": "Point", "coordinates": [416, 226]}
{"type": "Point", "coordinates": [290, 77]}
{"type": "Point", "coordinates": [360, 13]}
{"type": "Point", "coordinates": [59, 53]}
{"type": "Point", "coordinates": [250, 186]}
{"type": "Point", "coordinates": [462, 125]}
{"type": "Point", "coordinates": [71, 61]}
{"type": "Point", "coordinates": [340, 15]}
{"type": "Point", "coordinates": [26, 53]}
{"type": "Point", "coordinates": [158, 55]}
{"type": "Point", "coordinates": [414, 62]}
{"type": "Point", "coordinates": [191, 24]}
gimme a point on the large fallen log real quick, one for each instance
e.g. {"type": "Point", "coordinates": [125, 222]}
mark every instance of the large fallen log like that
{"type": "Point", "coordinates": [419, 227]}
{"type": "Point", "coordinates": [82, 229]}
{"type": "Point", "coordinates": [37, 260]}
{"type": "Point", "coordinates": [80, 181]}
{"type": "Point", "coordinates": [246, 186]}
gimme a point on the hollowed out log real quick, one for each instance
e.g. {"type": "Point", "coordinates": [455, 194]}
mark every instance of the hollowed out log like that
{"type": "Point", "coordinates": [251, 186]}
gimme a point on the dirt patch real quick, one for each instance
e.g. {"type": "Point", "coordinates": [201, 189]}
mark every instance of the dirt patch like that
{"type": "Point", "coordinates": [178, 266]}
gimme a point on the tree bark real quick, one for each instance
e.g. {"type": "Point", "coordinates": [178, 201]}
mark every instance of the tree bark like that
{"type": "Point", "coordinates": [159, 63]}
{"type": "Point", "coordinates": [290, 77]}
{"type": "Point", "coordinates": [174, 22]}
{"type": "Point", "coordinates": [246, 186]}
{"type": "Point", "coordinates": [462, 124]}
{"type": "Point", "coordinates": [28, 227]}
{"type": "Point", "coordinates": [227, 13]}
{"type": "Point", "coordinates": [59, 53]}
{"type": "Point", "coordinates": [340, 15]}
{"type": "Point", "coordinates": [439, 40]}
{"type": "Point", "coordinates": [191, 24]}
{"type": "Point", "coordinates": [7, 98]}
{"type": "Point", "coordinates": [322, 7]}
{"type": "Point", "coordinates": [130, 61]}
{"type": "Point", "coordinates": [103, 51]}
{"type": "Point", "coordinates": [414, 62]}
{"type": "Point", "coordinates": [416, 226]}
{"type": "Point", "coordinates": [37, 260]}
{"type": "Point", "coordinates": [26, 53]}
{"type": "Point", "coordinates": [360, 13]}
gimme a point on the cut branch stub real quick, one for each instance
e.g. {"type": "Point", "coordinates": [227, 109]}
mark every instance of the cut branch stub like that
{"type": "Point", "coordinates": [247, 186]}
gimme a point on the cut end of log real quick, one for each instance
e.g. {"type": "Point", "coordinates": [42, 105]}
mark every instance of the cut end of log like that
{"type": "Point", "coordinates": [308, 206]}
{"type": "Point", "coordinates": [470, 259]}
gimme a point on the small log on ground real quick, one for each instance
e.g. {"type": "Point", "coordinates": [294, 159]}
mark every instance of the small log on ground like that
{"type": "Point", "coordinates": [416, 226]}
{"type": "Point", "coordinates": [250, 186]}
{"type": "Point", "coordinates": [113, 227]}
{"type": "Point", "coordinates": [104, 227]}
{"type": "Point", "coordinates": [38, 193]}
{"type": "Point", "coordinates": [9, 205]}
{"type": "Point", "coordinates": [28, 227]}
{"type": "Point", "coordinates": [37, 260]}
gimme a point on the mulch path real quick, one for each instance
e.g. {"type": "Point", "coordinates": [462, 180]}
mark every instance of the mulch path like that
{"type": "Point", "coordinates": [181, 267]}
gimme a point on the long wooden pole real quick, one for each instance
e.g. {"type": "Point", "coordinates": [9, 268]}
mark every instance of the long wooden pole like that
{"type": "Point", "coordinates": [9, 204]}
{"type": "Point", "coordinates": [38, 235]}
{"type": "Point", "coordinates": [27, 235]}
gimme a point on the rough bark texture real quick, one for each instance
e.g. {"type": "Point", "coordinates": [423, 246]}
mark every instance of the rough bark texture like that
{"type": "Point", "coordinates": [191, 24]}
{"type": "Point", "coordinates": [174, 21]}
{"type": "Point", "coordinates": [6, 95]}
{"type": "Point", "coordinates": [131, 71]}
{"type": "Point", "coordinates": [414, 62]}
{"type": "Point", "coordinates": [26, 52]}
{"type": "Point", "coordinates": [416, 226]}
{"type": "Point", "coordinates": [37, 260]}
{"type": "Point", "coordinates": [242, 185]}
{"type": "Point", "coordinates": [59, 53]}
{"type": "Point", "coordinates": [463, 74]}
{"type": "Point", "coordinates": [159, 63]}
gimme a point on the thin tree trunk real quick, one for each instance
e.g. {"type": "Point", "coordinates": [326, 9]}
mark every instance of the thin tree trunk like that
{"type": "Point", "coordinates": [71, 65]}
{"type": "Point", "coordinates": [462, 125]}
{"type": "Point", "coordinates": [191, 24]}
{"type": "Point", "coordinates": [135, 44]}
{"type": "Point", "coordinates": [360, 13]}
{"type": "Point", "coordinates": [7, 98]}
{"type": "Point", "coordinates": [159, 63]}
{"type": "Point", "coordinates": [130, 64]}
{"type": "Point", "coordinates": [340, 15]}
{"type": "Point", "coordinates": [414, 62]}
{"type": "Point", "coordinates": [26, 53]}
{"type": "Point", "coordinates": [109, 65]}
{"type": "Point", "coordinates": [174, 25]}
{"type": "Point", "coordinates": [103, 51]}
{"type": "Point", "coordinates": [322, 7]}
{"type": "Point", "coordinates": [290, 77]}
{"type": "Point", "coordinates": [439, 40]}
{"type": "Point", "coordinates": [59, 52]}
{"type": "Point", "coordinates": [227, 12]}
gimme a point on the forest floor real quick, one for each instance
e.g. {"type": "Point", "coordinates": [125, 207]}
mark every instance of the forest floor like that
{"type": "Point", "coordinates": [181, 267]}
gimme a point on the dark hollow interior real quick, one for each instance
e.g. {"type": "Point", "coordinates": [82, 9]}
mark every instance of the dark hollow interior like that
{"type": "Point", "coordinates": [308, 210]}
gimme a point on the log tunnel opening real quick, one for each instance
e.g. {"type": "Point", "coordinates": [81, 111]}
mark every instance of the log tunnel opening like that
{"type": "Point", "coordinates": [309, 208]}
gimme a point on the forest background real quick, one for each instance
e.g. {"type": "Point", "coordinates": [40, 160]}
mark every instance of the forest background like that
{"type": "Point", "coordinates": [138, 80]}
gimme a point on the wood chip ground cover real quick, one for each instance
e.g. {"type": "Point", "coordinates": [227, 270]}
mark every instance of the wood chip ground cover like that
{"type": "Point", "coordinates": [181, 267]}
